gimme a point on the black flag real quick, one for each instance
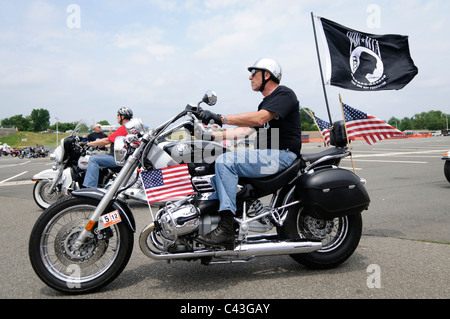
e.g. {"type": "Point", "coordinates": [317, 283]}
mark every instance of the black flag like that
{"type": "Point", "coordinates": [367, 62]}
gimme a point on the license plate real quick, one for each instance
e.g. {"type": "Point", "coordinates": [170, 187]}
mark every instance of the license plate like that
{"type": "Point", "coordinates": [109, 219]}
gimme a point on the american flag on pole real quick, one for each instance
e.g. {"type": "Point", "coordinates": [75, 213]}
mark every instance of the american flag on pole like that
{"type": "Point", "coordinates": [360, 124]}
{"type": "Point", "coordinates": [168, 182]}
{"type": "Point", "coordinates": [324, 127]}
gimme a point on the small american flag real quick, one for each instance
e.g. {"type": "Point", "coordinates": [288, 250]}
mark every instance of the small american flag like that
{"type": "Point", "coordinates": [360, 124]}
{"type": "Point", "coordinates": [168, 182]}
{"type": "Point", "coordinates": [324, 127]}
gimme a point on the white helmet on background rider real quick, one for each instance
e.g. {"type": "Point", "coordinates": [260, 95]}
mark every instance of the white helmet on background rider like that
{"type": "Point", "coordinates": [271, 66]}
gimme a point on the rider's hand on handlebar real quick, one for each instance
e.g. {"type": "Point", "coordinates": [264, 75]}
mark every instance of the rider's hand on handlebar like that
{"type": "Point", "coordinates": [207, 116]}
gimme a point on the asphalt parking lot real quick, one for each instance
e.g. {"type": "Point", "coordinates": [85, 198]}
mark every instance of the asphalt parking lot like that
{"type": "Point", "coordinates": [404, 251]}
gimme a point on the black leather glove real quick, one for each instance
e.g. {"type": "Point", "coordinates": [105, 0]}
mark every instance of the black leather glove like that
{"type": "Point", "coordinates": [206, 116]}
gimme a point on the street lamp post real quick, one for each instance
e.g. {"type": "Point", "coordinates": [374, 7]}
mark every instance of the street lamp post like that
{"type": "Point", "coordinates": [56, 131]}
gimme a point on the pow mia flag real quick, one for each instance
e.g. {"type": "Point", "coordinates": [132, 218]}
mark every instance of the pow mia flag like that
{"type": "Point", "coordinates": [367, 62]}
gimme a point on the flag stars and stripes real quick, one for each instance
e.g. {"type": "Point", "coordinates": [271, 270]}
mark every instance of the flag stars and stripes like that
{"type": "Point", "coordinates": [360, 124]}
{"type": "Point", "coordinates": [324, 127]}
{"type": "Point", "coordinates": [166, 183]}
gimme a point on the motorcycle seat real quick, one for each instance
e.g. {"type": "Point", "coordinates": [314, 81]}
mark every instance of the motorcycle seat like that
{"type": "Point", "coordinates": [311, 158]}
{"type": "Point", "coordinates": [270, 184]}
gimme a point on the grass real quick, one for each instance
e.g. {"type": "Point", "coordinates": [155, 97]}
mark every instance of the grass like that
{"type": "Point", "coordinates": [31, 139]}
{"type": "Point", "coordinates": [434, 242]}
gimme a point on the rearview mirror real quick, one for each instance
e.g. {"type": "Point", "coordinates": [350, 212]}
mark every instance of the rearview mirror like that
{"type": "Point", "coordinates": [210, 98]}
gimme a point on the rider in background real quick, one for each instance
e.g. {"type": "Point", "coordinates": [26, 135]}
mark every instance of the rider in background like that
{"type": "Point", "coordinates": [124, 115]}
{"type": "Point", "coordinates": [98, 134]}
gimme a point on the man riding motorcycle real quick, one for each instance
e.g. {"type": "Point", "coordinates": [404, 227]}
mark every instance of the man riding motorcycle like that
{"type": "Point", "coordinates": [278, 126]}
{"type": "Point", "coordinates": [124, 115]}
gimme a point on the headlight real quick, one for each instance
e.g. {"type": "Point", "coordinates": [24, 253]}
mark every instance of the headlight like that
{"type": "Point", "coordinates": [83, 162]}
{"type": "Point", "coordinates": [135, 126]}
{"type": "Point", "coordinates": [57, 155]}
{"type": "Point", "coordinates": [120, 150]}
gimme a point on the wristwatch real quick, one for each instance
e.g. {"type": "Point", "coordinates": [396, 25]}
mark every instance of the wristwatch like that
{"type": "Point", "coordinates": [224, 118]}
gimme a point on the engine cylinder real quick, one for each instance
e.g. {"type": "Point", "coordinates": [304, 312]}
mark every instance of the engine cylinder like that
{"type": "Point", "coordinates": [178, 221]}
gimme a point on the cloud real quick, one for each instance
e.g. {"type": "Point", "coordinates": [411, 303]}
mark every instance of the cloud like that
{"type": "Point", "coordinates": [158, 55]}
{"type": "Point", "coordinates": [146, 41]}
{"type": "Point", "coordinates": [43, 13]}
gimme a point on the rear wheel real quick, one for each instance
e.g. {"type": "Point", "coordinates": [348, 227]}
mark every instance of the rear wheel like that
{"type": "Point", "coordinates": [447, 170]}
{"type": "Point", "coordinates": [339, 237]}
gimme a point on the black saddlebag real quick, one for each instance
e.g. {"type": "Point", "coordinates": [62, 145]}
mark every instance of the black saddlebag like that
{"type": "Point", "coordinates": [331, 192]}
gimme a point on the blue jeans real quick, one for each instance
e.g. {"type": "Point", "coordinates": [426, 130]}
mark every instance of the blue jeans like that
{"type": "Point", "coordinates": [103, 160]}
{"type": "Point", "coordinates": [249, 163]}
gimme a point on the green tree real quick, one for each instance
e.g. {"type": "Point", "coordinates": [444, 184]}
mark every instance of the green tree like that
{"type": "Point", "coordinates": [22, 123]}
{"type": "Point", "coordinates": [395, 122]}
{"type": "Point", "coordinates": [432, 120]}
{"type": "Point", "coordinates": [307, 122]}
{"type": "Point", "coordinates": [63, 127]}
{"type": "Point", "coordinates": [40, 119]}
{"type": "Point", "coordinates": [406, 124]}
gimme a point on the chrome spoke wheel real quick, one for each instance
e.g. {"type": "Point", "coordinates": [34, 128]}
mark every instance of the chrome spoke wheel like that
{"type": "Point", "coordinates": [330, 232]}
{"type": "Point", "coordinates": [72, 265]}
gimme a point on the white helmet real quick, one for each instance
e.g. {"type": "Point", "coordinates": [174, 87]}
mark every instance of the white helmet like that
{"type": "Point", "coordinates": [269, 65]}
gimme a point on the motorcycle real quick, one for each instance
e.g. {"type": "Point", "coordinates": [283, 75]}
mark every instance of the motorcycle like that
{"type": "Point", "coordinates": [5, 152]}
{"type": "Point", "coordinates": [41, 152]}
{"type": "Point", "coordinates": [22, 154]}
{"type": "Point", "coordinates": [32, 153]}
{"type": "Point", "coordinates": [84, 242]}
{"type": "Point", "coordinates": [446, 158]}
{"type": "Point", "coordinates": [71, 160]}
{"type": "Point", "coordinates": [15, 152]}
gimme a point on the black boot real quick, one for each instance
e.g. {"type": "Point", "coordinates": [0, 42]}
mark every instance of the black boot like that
{"type": "Point", "coordinates": [223, 234]}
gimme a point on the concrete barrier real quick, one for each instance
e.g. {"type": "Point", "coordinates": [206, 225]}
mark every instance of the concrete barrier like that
{"type": "Point", "coordinates": [6, 131]}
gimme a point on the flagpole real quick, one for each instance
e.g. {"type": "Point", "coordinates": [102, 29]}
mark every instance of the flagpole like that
{"type": "Point", "coordinates": [321, 72]}
{"type": "Point", "coordinates": [346, 133]}
{"type": "Point", "coordinates": [148, 203]}
{"type": "Point", "coordinates": [315, 122]}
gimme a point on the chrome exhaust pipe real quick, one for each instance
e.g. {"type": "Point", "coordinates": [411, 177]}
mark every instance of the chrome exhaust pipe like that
{"type": "Point", "coordinates": [270, 248]}
{"type": "Point", "coordinates": [255, 247]}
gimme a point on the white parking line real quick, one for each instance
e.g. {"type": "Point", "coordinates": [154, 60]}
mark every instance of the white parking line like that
{"type": "Point", "coordinates": [8, 179]}
{"type": "Point", "coordinates": [398, 153]}
{"type": "Point", "coordinates": [387, 161]}
{"type": "Point", "coordinates": [17, 183]}
{"type": "Point", "coordinates": [12, 165]}
{"type": "Point", "coordinates": [414, 154]}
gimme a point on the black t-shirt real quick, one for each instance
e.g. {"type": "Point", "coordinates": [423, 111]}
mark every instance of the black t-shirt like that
{"type": "Point", "coordinates": [285, 131]}
{"type": "Point", "coordinates": [96, 136]}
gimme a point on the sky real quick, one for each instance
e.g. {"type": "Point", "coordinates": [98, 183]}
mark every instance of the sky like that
{"type": "Point", "coordinates": [85, 59]}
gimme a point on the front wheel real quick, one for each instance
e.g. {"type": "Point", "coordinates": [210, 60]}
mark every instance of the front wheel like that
{"type": "Point", "coordinates": [339, 237]}
{"type": "Point", "coordinates": [95, 264]}
{"type": "Point", "coordinates": [42, 196]}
